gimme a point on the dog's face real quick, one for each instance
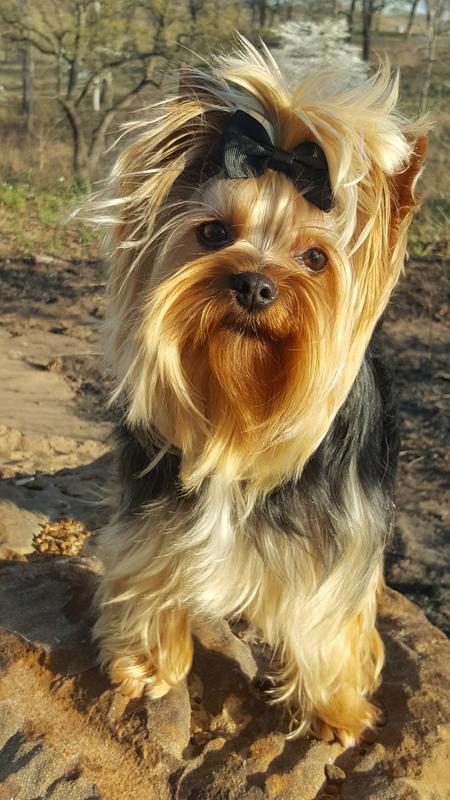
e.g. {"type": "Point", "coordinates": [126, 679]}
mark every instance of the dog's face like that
{"type": "Point", "coordinates": [241, 310]}
{"type": "Point", "coordinates": [251, 293]}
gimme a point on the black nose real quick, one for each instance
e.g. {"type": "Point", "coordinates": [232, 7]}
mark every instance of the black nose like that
{"type": "Point", "coordinates": [253, 291]}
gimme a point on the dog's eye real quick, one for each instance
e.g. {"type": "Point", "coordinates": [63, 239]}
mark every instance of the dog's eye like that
{"type": "Point", "coordinates": [316, 260]}
{"type": "Point", "coordinates": [213, 234]}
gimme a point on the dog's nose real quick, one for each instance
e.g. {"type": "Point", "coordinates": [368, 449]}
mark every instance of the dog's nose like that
{"type": "Point", "coordinates": [253, 291]}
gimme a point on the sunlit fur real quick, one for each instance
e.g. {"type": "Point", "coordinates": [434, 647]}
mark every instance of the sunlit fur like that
{"type": "Point", "coordinates": [246, 400]}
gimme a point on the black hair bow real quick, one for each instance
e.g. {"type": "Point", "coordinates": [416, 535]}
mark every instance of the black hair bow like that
{"type": "Point", "coordinates": [247, 152]}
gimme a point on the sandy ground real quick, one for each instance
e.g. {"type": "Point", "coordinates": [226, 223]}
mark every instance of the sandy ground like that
{"type": "Point", "coordinates": [54, 427]}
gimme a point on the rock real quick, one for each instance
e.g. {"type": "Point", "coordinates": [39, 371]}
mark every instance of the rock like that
{"type": "Point", "coordinates": [48, 608]}
{"type": "Point", "coordinates": [220, 638]}
{"type": "Point", "coordinates": [168, 720]}
{"type": "Point", "coordinates": [17, 526]}
{"type": "Point", "coordinates": [31, 767]}
{"type": "Point", "coordinates": [334, 773]}
{"type": "Point", "coordinates": [411, 757]}
{"type": "Point", "coordinates": [67, 735]}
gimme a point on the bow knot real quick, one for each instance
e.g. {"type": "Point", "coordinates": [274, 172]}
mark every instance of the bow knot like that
{"type": "Point", "coordinates": [280, 159]}
{"type": "Point", "coordinates": [247, 151]}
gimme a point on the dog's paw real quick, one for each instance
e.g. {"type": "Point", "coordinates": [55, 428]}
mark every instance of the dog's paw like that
{"type": "Point", "coordinates": [136, 676]}
{"type": "Point", "coordinates": [130, 687]}
{"type": "Point", "coordinates": [349, 731]}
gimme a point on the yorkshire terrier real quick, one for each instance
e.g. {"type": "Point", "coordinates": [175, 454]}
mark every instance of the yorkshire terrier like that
{"type": "Point", "coordinates": [257, 234]}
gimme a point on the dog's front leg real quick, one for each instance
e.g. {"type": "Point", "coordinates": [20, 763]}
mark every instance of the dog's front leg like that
{"type": "Point", "coordinates": [143, 630]}
{"type": "Point", "coordinates": [330, 661]}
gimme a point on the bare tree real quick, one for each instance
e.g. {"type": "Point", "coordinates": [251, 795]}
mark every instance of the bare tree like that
{"type": "Point", "coordinates": [412, 12]}
{"type": "Point", "coordinates": [27, 66]}
{"type": "Point", "coordinates": [258, 11]}
{"type": "Point", "coordinates": [367, 16]}
{"type": "Point", "coordinates": [195, 8]}
{"type": "Point", "coordinates": [87, 41]}
{"type": "Point", "coordinates": [369, 9]}
{"type": "Point", "coordinates": [434, 17]}
{"type": "Point", "coordinates": [350, 15]}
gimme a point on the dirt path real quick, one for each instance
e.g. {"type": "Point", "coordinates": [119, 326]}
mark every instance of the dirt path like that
{"type": "Point", "coordinates": [417, 344]}
{"type": "Point", "coordinates": [54, 429]}
{"type": "Point", "coordinates": [54, 434]}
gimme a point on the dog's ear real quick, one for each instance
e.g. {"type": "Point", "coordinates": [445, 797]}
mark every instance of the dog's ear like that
{"type": "Point", "coordinates": [165, 160]}
{"type": "Point", "coordinates": [404, 200]}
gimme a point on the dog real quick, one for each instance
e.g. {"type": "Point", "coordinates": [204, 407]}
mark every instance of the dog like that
{"type": "Point", "coordinates": [256, 235]}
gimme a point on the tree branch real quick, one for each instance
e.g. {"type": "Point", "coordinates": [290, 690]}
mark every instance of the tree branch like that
{"type": "Point", "coordinates": [127, 58]}
{"type": "Point", "coordinates": [121, 103]}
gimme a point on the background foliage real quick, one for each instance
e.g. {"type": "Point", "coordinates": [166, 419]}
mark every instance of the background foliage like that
{"type": "Point", "coordinates": [71, 71]}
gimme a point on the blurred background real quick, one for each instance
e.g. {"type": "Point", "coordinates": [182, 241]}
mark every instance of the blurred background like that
{"type": "Point", "coordinates": [71, 72]}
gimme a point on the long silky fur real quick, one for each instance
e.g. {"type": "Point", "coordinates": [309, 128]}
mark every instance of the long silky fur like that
{"type": "Point", "coordinates": [255, 457]}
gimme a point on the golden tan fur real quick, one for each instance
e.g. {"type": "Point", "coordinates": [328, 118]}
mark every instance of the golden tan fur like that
{"type": "Point", "coordinates": [247, 401]}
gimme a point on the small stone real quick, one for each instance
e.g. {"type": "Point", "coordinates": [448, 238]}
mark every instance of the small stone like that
{"type": "Point", "coordinates": [55, 365]}
{"type": "Point", "coordinates": [334, 773]}
{"type": "Point", "coordinates": [58, 329]}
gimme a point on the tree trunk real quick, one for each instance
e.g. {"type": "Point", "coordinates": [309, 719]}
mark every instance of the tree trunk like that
{"type": "Point", "coordinates": [59, 74]}
{"type": "Point", "coordinates": [434, 12]}
{"type": "Point", "coordinates": [76, 60]}
{"type": "Point", "coordinates": [80, 151]}
{"type": "Point", "coordinates": [27, 57]}
{"type": "Point", "coordinates": [367, 25]}
{"type": "Point", "coordinates": [262, 6]}
{"type": "Point", "coordinates": [412, 12]}
{"type": "Point", "coordinates": [350, 15]}
{"type": "Point", "coordinates": [107, 95]}
{"type": "Point", "coordinates": [288, 11]}
{"type": "Point", "coordinates": [97, 94]}
{"type": "Point", "coordinates": [273, 10]}
{"type": "Point", "coordinates": [97, 148]}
